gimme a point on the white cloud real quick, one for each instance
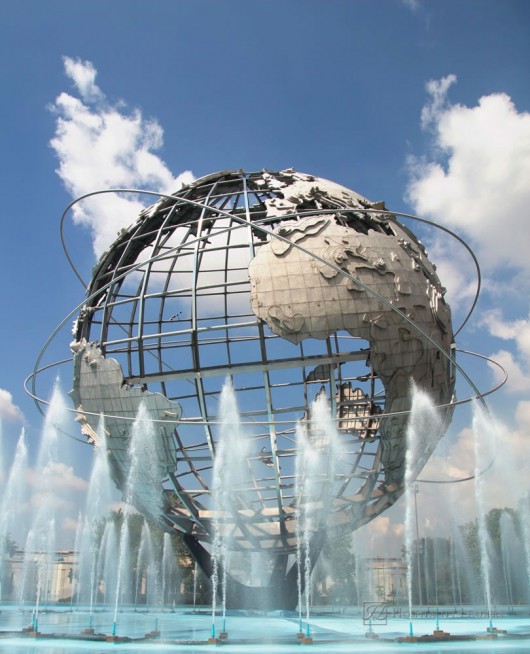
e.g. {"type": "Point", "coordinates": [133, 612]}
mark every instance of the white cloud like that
{"type": "Point", "coordinates": [53, 493]}
{"type": "Point", "coordinates": [8, 410]}
{"type": "Point", "coordinates": [83, 74]}
{"type": "Point", "coordinates": [517, 365]}
{"type": "Point", "coordinates": [437, 90]}
{"type": "Point", "coordinates": [100, 146]}
{"type": "Point", "coordinates": [477, 179]}
{"type": "Point", "coordinates": [60, 478]}
{"type": "Point", "coordinates": [522, 416]}
{"type": "Point", "coordinates": [517, 330]}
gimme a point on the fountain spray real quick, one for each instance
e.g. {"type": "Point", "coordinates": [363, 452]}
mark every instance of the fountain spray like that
{"type": "Point", "coordinates": [423, 425]}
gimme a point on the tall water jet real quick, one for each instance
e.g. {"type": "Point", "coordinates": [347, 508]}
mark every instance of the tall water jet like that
{"type": "Point", "coordinates": [3, 475]}
{"type": "Point", "coordinates": [77, 548]}
{"type": "Point", "coordinates": [509, 540]}
{"type": "Point", "coordinates": [3, 552]}
{"type": "Point", "coordinates": [523, 511]}
{"type": "Point", "coordinates": [41, 540]}
{"type": "Point", "coordinates": [482, 432]}
{"type": "Point", "coordinates": [12, 499]}
{"type": "Point", "coordinates": [195, 567]}
{"type": "Point", "coordinates": [96, 511]}
{"type": "Point", "coordinates": [466, 559]}
{"type": "Point", "coordinates": [303, 460]}
{"type": "Point", "coordinates": [106, 569]}
{"type": "Point", "coordinates": [317, 449]}
{"type": "Point", "coordinates": [230, 476]}
{"type": "Point", "coordinates": [143, 480]}
{"type": "Point", "coordinates": [498, 449]}
{"type": "Point", "coordinates": [258, 569]}
{"type": "Point", "coordinates": [456, 586]}
{"type": "Point", "coordinates": [2, 463]}
{"type": "Point", "coordinates": [124, 578]}
{"type": "Point", "coordinates": [359, 577]}
{"type": "Point", "coordinates": [423, 426]}
{"type": "Point", "coordinates": [409, 538]}
{"type": "Point", "coordinates": [146, 568]}
{"type": "Point", "coordinates": [169, 571]}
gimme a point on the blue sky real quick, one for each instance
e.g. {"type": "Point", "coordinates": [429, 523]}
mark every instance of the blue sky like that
{"type": "Point", "coordinates": [422, 103]}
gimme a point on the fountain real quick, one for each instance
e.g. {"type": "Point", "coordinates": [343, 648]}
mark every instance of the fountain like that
{"type": "Point", "coordinates": [231, 481]}
{"type": "Point", "coordinates": [304, 472]}
{"type": "Point", "coordinates": [289, 284]}
{"type": "Point", "coordinates": [509, 555]}
{"type": "Point", "coordinates": [316, 468]}
{"type": "Point", "coordinates": [170, 573]}
{"type": "Point", "coordinates": [481, 426]}
{"type": "Point", "coordinates": [424, 425]}
{"type": "Point", "coordinates": [317, 450]}
{"type": "Point", "coordinates": [146, 569]}
{"type": "Point", "coordinates": [524, 513]}
{"type": "Point", "coordinates": [40, 545]}
{"type": "Point", "coordinates": [107, 558]}
{"type": "Point", "coordinates": [96, 510]}
{"type": "Point", "coordinates": [143, 474]}
{"type": "Point", "coordinates": [195, 580]}
{"type": "Point", "coordinates": [13, 497]}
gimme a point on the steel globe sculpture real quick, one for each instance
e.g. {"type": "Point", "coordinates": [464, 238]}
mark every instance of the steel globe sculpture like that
{"type": "Point", "coordinates": [295, 288]}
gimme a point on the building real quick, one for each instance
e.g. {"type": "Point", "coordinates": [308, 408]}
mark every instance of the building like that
{"type": "Point", "coordinates": [22, 571]}
{"type": "Point", "coordinates": [386, 579]}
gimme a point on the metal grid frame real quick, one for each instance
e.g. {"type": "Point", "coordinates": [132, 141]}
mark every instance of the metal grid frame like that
{"type": "Point", "coordinates": [167, 319]}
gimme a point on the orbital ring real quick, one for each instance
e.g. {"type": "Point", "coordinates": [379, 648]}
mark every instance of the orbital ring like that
{"type": "Point", "coordinates": [479, 395]}
{"type": "Point", "coordinates": [300, 248]}
{"type": "Point", "coordinates": [294, 215]}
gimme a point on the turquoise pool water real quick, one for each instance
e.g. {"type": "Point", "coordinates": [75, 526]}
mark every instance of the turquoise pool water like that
{"type": "Point", "coordinates": [183, 630]}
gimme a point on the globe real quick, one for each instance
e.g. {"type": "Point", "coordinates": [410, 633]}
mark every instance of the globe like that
{"type": "Point", "coordinates": [272, 294]}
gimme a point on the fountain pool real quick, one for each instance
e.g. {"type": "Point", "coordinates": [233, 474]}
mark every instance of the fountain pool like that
{"type": "Point", "coordinates": [183, 630]}
{"type": "Point", "coordinates": [249, 483]}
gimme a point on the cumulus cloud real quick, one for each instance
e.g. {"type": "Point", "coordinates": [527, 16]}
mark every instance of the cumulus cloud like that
{"type": "Point", "coordinates": [476, 179]}
{"type": "Point", "coordinates": [101, 145]}
{"type": "Point", "coordinates": [83, 75]}
{"type": "Point", "coordinates": [60, 478]}
{"type": "Point", "coordinates": [517, 330]}
{"type": "Point", "coordinates": [517, 334]}
{"type": "Point", "coordinates": [522, 415]}
{"type": "Point", "coordinates": [42, 495]}
{"type": "Point", "coordinates": [437, 90]}
{"type": "Point", "coordinates": [518, 379]}
{"type": "Point", "coordinates": [8, 410]}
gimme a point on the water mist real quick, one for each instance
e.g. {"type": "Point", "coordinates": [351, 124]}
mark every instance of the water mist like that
{"type": "Point", "coordinates": [423, 427]}
{"type": "Point", "coordinates": [230, 476]}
